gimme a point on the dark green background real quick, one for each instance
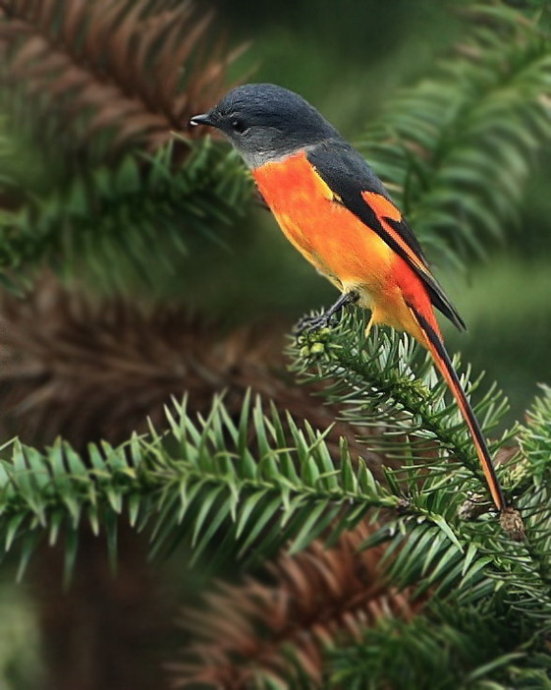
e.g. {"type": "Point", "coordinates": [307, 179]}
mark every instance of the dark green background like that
{"type": "Point", "coordinates": [347, 58]}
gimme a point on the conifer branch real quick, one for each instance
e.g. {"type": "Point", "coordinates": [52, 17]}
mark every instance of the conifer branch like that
{"type": "Point", "coordinates": [458, 147]}
{"type": "Point", "coordinates": [262, 480]}
{"type": "Point", "coordinates": [190, 481]}
{"type": "Point", "coordinates": [117, 64]}
{"type": "Point", "coordinates": [383, 382]}
{"type": "Point", "coordinates": [483, 598]}
{"type": "Point", "coordinates": [161, 209]}
{"type": "Point", "coordinates": [96, 91]}
{"type": "Point", "coordinates": [375, 386]}
{"type": "Point", "coordinates": [256, 632]}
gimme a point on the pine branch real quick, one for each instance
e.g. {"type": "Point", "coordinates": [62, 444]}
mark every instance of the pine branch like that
{"type": "Point", "coordinates": [384, 382]}
{"type": "Point", "coordinates": [190, 481]}
{"type": "Point", "coordinates": [115, 64]}
{"type": "Point", "coordinates": [458, 148]}
{"type": "Point", "coordinates": [261, 481]}
{"type": "Point", "coordinates": [96, 91]}
{"type": "Point", "coordinates": [161, 209]}
{"type": "Point", "coordinates": [254, 632]}
{"type": "Point", "coordinates": [374, 384]}
{"type": "Point", "coordinates": [486, 599]}
{"type": "Point", "coordinates": [118, 363]}
{"type": "Point", "coordinates": [447, 648]}
{"type": "Point", "coordinates": [483, 558]}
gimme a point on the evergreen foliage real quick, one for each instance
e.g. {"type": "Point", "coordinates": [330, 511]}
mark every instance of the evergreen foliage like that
{"type": "Point", "coordinates": [456, 147]}
{"type": "Point", "coordinates": [193, 478]}
{"type": "Point", "coordinates": [485, 599]}
{"type": "Point", "coordinates": [108, 95]}
{"type": "Point", "coordinates": [342, 575]}
{"type": "Point", "coordinates": [384, 382]}
{"type": "Point", "coordinates": [83, 222]}
{"type": "Point", "coordinates": [206, 478]}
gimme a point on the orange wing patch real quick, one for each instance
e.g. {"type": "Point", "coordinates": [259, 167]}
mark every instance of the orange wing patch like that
{"type": "Point", "coordinates": [384, 208]}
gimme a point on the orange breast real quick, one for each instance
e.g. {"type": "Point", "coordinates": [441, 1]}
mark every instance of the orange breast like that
{"type": "Point", "coordinates": [332, 238]}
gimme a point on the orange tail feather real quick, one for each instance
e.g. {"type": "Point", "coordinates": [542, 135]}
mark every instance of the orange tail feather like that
{"type": "Point", "coordinates": [442, 360]}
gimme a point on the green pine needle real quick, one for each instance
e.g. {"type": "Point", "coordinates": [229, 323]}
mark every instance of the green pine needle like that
{"type": "Point", "coordinates": [457, 149]}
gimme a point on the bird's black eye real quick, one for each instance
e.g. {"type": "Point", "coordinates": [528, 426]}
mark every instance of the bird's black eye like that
{"type": "Point", "coordinates": [238, 125]}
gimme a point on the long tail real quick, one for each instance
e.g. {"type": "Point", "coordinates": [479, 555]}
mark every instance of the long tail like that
{"type": "Point", "coordinates": [442, 360]}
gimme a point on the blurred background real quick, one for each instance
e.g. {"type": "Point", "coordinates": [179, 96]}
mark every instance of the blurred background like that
{"type": "Point", "coordinates": [349, 61]}
{"type": "Point", "coordinates": [98, 311]}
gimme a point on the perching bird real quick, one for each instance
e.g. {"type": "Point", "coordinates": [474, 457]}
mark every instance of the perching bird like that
{"type": "Point", "coordinates": [334, 209]}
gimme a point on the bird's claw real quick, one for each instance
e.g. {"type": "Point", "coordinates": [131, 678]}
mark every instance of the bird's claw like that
{"type": "Point", "coordinates": [313, 323]}
{"type": "Point", "coordinates": [325, 319]}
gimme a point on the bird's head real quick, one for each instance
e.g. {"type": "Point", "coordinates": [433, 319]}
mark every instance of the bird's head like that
{"type": "Point", "coordinates": [266, 122]}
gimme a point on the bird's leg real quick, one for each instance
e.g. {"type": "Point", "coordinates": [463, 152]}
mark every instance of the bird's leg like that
{"type": "Point", "coordinates": [369, 326]}
{"type": "Point", "coordinates": [312, 323]}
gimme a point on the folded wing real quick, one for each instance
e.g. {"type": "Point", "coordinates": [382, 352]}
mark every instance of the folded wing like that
{"type": "Point", "coordinates": [357, 187]}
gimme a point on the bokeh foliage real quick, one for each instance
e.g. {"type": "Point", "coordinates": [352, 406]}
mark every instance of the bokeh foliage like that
{"type": "Point", "coordinates": [340, 549]}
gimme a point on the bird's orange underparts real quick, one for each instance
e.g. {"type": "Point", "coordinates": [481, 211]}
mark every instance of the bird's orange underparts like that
{"type": "Point", "coordinates": [393, 281]}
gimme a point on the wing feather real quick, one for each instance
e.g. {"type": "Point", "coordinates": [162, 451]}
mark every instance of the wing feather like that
{"type": "Point", "coordinates": [360, 190]}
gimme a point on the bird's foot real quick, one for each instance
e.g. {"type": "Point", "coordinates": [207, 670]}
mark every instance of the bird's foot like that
{"type": "Point", "coordinates": [324, 320]}
{"type": "Point", "coordinates": [314, 323]}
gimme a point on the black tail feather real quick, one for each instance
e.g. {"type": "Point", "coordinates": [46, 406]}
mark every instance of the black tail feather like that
{"type": "Point", "coordinates": [445, 366]}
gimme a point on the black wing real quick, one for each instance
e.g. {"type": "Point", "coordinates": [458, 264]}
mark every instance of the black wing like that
{"type": "Point", "coordinates": [350, 178]}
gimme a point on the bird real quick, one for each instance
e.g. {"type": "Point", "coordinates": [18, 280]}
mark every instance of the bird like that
{"type": "Point", "coordinates": [336, 212]}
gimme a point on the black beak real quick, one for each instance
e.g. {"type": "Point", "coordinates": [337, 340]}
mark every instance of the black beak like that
{"type": "Point", "coordinates": [201, 120]}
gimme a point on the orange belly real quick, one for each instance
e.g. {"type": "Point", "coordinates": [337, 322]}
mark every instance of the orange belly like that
{"type": "Point", "coordinates": [341, 246]}
{"type": "Point", "coordinates": [332, 238]}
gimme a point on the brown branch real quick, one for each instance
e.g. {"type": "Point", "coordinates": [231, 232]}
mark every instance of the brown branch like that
{"type": "Point", "coordinates": [88, 370]}
{"type": "Point", "coordinates": [318, 598]}
{"type": "Point", "coordinates": [136, 69]}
